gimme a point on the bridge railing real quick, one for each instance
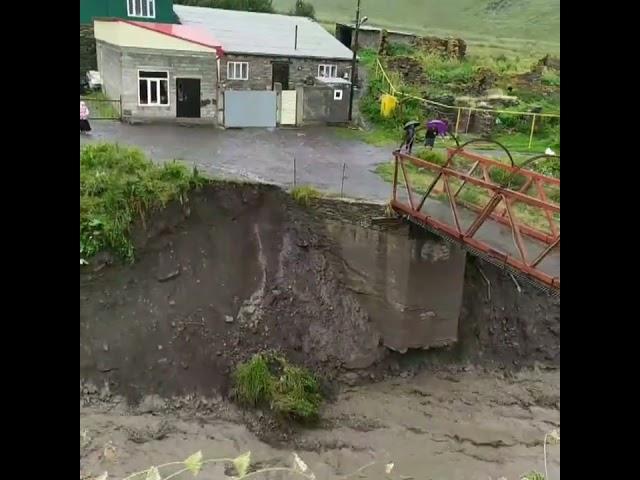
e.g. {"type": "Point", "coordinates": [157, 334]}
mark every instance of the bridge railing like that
{"type": "Point", "coordinates": [522, 205]}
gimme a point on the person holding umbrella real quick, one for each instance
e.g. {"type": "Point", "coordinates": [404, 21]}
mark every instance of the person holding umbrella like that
{"type": "Point", "coordinates": [435, 128]}
{"type": "Point", "coordinates": [409, 135]}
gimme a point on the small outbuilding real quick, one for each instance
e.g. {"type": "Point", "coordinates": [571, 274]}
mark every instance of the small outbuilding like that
{"type": "Point", "coordinates": [370, 36]}
{"type": "Point", "coordinates": [159, 71]}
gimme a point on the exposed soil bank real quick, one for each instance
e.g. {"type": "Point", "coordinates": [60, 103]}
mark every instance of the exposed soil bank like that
{"type": "Point", "coordinates": [241, 268]}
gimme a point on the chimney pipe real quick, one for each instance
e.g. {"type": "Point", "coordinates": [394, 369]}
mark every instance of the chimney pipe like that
{"type": "Point", "coordinates": [295, 46]}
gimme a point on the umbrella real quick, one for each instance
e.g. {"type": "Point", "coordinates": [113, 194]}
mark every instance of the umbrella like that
{"type": "Point", "coordinates": [440, 126]}
{"type": "Point", "coordinates": [411, 123]}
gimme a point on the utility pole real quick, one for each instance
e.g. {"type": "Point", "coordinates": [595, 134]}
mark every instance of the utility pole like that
{"type": "Point", "coordinates": [354, 61]}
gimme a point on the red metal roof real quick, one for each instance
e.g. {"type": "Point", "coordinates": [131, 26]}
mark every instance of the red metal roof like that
{"type": "Point", "coordinates": [184, 32]}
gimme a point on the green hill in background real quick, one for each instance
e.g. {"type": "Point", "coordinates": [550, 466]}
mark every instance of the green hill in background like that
{"type": "Point", "coordinates": [517, 25]}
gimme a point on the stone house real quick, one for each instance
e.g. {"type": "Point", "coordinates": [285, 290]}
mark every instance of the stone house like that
{"type": "Point", "coordinates": [281, 56]}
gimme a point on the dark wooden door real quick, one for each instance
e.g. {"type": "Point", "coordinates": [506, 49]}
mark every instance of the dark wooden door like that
{"type": "Point", "coordinates": [188, 97]}
{"type": "Point", "coordinates": [280, 74]}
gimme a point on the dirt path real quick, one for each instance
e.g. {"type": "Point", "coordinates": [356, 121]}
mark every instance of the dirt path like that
{"type": "Point", "coordinates": [467, 424]}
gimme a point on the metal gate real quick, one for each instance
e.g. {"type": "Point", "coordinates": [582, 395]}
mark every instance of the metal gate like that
{"type": "Point", "coordinates": [102, 108]}
{"type": "Point", "coordinates": [249, 108]}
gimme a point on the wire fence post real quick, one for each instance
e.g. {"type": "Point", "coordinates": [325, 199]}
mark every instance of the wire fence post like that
{"type": "Point", "coordinates": [466, 130]}
{"type": "Point", "coordinates": [458, 120]}
{"type": "Point", "coordinates": [344, 166]}
{"type": "Point", "coordinates": [533, 125]}
{"type": "Point", "coordinates": [294, 171]}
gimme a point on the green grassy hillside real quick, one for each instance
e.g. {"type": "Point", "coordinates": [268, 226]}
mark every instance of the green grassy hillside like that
{"type": "Point", "coordinates": [519, 24]}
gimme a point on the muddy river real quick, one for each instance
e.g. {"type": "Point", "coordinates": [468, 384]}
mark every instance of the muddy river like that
{"type": "Point", "coordinates": [462, 423]}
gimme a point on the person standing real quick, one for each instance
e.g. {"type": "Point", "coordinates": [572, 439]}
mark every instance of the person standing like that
{"type": "Point", "coordinates": [409, 136]}
{"type": "Point", "coordinates": [430, 137]}
{"type": "Point", "coordinates": [85, 127]}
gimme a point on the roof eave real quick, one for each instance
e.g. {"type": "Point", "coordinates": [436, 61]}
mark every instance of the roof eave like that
{"type": "Point", "coordinates": [217, 48]}
{"type": "Point", "coordinates": [283, 55]}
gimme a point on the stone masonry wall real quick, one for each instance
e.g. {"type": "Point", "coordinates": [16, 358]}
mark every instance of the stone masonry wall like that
{"type": "Point", "coordinates": [260, 71]}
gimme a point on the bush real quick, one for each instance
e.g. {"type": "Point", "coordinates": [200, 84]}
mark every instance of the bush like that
{"type": "Point", "coordinates": [269, 380]}
{"type": "Point", "coordinates": [533, 476]}
{"type": "Point", "coordinates": [444, 70]}
{"type": "Point", "coordinates": [549, 166]}
{"type": "Point", "coordinates": [253, 381]}
{"type": "Point", "coordinates": [304, 195]}
{"type": "Point", "coordinates": [400, 49]}
{"type": "Point", "coordinates": [304, 9]}
{"type": "Point", "coordinates": [432, 156]}
{"type": "Point", "coordinates": [551, 78]}
{"type": "Point", "coordinates": [505, 178]}
{"type": "Point", "coordinates": [117, 185]}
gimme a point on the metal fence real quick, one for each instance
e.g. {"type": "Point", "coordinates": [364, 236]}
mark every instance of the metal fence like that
{"type": "Point", "coordinates": [102, 108]}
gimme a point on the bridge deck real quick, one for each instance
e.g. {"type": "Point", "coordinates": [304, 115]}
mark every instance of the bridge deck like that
{"type": "Point", "coordinates": [528, 251]}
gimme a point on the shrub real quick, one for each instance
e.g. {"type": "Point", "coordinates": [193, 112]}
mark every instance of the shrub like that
{"type": "Point", "coordinates": [303, 9]}
{"type": "Point", "coordinates": [505, 178]}
{"type": "Point", "coordinates": [253, 381]}
{"type": "Point", "coordinates": [303, 195]}
{"type": "Point", "coordinates": [269, 380]}
{"type": "Point", "coordinates": [549, 166]}
{"type": "Point", "coordinates": [551, 78]}
{"type": "Point", "coordinates": [432, 156]}
{"type": "Point", "coordinates": [533, 476]}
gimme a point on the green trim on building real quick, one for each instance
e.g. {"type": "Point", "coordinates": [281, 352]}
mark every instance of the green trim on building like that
{"type": "Point", "coordinates": [92, 9]}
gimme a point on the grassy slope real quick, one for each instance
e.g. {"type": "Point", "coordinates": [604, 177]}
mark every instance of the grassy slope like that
{"type": "Point", "coordinates": [519, 24]}
{"type": "Point", "coordinates": [118, 185]}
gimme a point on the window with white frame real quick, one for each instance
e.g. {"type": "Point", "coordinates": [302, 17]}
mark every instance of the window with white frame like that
{"type": "Point", "coordinates": [328, 71]}
{"type": "Point", "coordinates": [153, 88]}
{"type": "Point", "coordinates": [141, 8]}
{"type": "Point", "coordinates": [337, 94]}
{"type": "Point", "coordinates": [238, 71]}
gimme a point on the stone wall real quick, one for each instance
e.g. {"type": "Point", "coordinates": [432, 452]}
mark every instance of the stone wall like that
{"type": "Point", "coordinates": [319, 105]}
{"type": "Point", "coordinates": [260, 77]}
{"type": "Point", "coordinates": [447, 47]}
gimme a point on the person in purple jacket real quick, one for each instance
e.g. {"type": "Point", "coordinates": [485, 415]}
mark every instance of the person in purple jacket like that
{"type": "Point", "coordinates": [435, 128]}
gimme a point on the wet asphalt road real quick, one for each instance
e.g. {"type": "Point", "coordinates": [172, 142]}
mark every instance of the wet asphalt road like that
{"type": "Point", "coordinates": [261, 155]}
